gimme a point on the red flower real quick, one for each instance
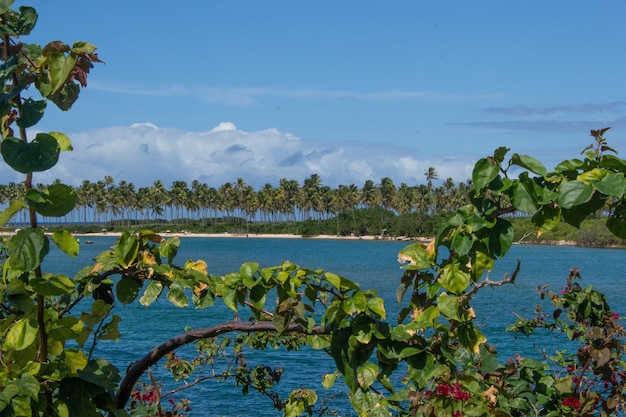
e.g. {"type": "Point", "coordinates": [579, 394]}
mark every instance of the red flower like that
{"type": "Point", "coordinates": [443, 389]}
{"type": "Point", "coordinates": [571, 402]}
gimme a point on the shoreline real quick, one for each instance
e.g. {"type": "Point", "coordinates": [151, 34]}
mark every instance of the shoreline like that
{"type": "Point", "coordinates": [265, 236]}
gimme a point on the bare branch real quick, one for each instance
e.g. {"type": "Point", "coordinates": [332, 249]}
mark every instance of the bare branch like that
{"type": "Point", "coordinates": [138, 368]}
{"type": "Point", "coordinates": [489, 283]}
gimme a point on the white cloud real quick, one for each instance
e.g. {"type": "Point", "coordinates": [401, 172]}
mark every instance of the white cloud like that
{"type": "Point", "coordinates": [143, 153]}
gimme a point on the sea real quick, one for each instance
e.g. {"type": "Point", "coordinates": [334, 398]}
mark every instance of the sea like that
{"type": "Point", "coordinates": [371, 263]}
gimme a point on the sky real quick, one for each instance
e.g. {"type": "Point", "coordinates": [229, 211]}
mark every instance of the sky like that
{"type": "Point", "coordinates": [349, 90]}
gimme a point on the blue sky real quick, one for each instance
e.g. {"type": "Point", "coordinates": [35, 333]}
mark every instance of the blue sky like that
{"type": "Point", "coordinates": [350, 90]}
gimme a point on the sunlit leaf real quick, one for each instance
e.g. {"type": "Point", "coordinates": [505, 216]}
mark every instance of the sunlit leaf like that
{"type": "Point", "coordinates": [377, 306]}
{"type": "Point", "coordinates": [355, 304]}
{"type": "Point", "coordinates": [612, 184]}
{"type": "Point", "coordinates": [367, 374]}
{"type": "Point", "coordinates": [546, 218]}
{"type": "Point", "coordinates": [177, 296]}
{"type": "Point", "coordinates": [449, 306]}
{"type": "Point", "coordinates": [529, 163]}
{"type": "Point", "coordinates": [416, 255]}
{"type": "Point", "coordinates": [14, 207]}
{"type": "Point", "coordinates": [126, 249]}
{"type": "Point", "coordinates": [482, 262]}
{"type": "Point", "coordinates": [462, 243]}
{"type": "Point", "coordinates": [152, 292]}
{"type": "Point", "coordinates": [453, 279]}
{"type": "Point", "coordinates": [21, 335]}
{"type": "Point", "coordinates": [65, 144]}
{"type": "Point", "coordinates": [523, 197]}
{"type": "Point", "coordinates": [52, 285]}
{"type": "Point", "coordinates": [66, 242]}
{"type": "Point", "coordinates": [27, 248]}
{"type": "Point", "coordinates": [485, 171]}
{"type": "Point", "coordinates": [574, 193]}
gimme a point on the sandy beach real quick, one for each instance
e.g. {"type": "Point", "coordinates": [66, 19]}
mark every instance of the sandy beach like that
{"type": "Point", "coordinates": [262, 236]}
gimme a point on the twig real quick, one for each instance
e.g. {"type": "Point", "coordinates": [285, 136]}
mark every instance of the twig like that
{"type": "Point", "coordinates": [489, 283]}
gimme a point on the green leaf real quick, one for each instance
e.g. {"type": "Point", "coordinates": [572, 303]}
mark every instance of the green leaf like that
{"type": "Point", "coordinates": [485, 171]}
{"type": "Point", "coordinates": [21, 335]}
{"type": "Point", "coordinates": [126, 249]}
{"type": "Point", "coordinates": [616, 222]}
{"type": "Point", "coordinates": [82, 47]}
{"type": "Point", "coordinates": [177, 295]}
{"type": "Point", "coordinates": [41, 154]}
{"type": "Point", "coordinates": [329, 380]}
{"type": "Point", "coordinates": [14, 207]}
{"type": "Point", "coordinates": [367, 374]}
{"type": "Point", "coordinates": [571, 165]}
{"type": "Point", "coordinates": [482, 262]}
{"type": "Point", "coordinates": [453, 279]}
{"type": "Point", "coordinates": [574, 193]}
{"type": "Point", "coordinates": [27, 248]}
{"type": "Point", "coordinates": [66, 242]}
{"type": "Point", "coordinates": [355, 304]}
{"type": "Point", "coordinates": [5, 5]}
{"type": "Point", "coordinates": [334, 279]}
{"type": "Point", "coordinates": [449, 306]}
{"type": "Point", "coordinates": [258, 295]}
{"type": "Point", "coordinates": [32, 112]}
{"type": "Point", "coordinates": [66, 96]}
{"type": "Point", "coordinates": [577, 214]}
{"type": "Point", "coordinates": [102, 373]}
{"type": "Point", "coordinates": [546, 218]}
{"type": "Point", "coordinates": [169, 248]}
{"type": "Point", "coordinates": [500, 237]}
{"type": "Point", "coordinates": [416, 255]}
{"type": "Point", "coordinates": [26, 21]}
{"type": "Point", "coordinates": [524, 198]}
{"type": "Point", "coordinates": [52, 285]}
{"type": "Point", "coordinates": [247, 271]}
{"type": "Point", "coordinates": [613, 162]}
{"type": "Point", "coordinates": [529, 163]}
{"type": "Point", "coordinates": [56, 201]}
{"type": "Point", "coordinates": [127, 290]}
{"type": "Point", "coordinates": [377, 306]}
{"type": "Point", "coordinates": [151, 293]}
{"type": "Point", "coordinates": [462, 243]}
{"type": "Point", "coordinates": [59, 66]}
{"type": "Point", "coordinates": [595, 174]}
{"type": "Point", "coordinates": [471, 337]}
{"type": "Point", "coordinates": [612, 184]}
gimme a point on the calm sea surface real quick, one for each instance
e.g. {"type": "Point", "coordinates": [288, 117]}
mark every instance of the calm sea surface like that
{"type": "Point", "coordinates": [372, 264]}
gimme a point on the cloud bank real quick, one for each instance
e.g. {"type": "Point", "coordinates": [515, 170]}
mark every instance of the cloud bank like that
{"type": "Point", "coordinates": [143, 153]}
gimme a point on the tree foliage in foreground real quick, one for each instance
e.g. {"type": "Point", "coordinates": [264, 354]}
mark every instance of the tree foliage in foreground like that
{"type": "Point", "coordinates": [432, 360]}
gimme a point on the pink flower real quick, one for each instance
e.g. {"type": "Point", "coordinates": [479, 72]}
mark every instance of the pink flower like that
{"type": "Point", "coordinates": [457, 413]}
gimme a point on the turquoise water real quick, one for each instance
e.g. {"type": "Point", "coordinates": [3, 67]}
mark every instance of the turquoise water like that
{"type": "Point", "coordinates": [370, 263]}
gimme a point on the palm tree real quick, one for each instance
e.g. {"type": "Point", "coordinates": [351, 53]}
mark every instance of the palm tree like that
{"type": "Point", "coordinates": [370, 195]}
{"type": "Point", "coordinates": [431, 175]}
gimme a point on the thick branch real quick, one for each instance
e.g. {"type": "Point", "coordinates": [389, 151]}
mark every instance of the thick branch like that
{"type": "Point", "coordinates": [138, 368]}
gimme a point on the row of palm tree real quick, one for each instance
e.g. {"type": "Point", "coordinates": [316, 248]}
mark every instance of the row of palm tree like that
{"type": "Point", "coordinates": [105, 201]}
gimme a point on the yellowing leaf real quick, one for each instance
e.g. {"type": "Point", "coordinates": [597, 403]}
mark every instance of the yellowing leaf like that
{"type": "Point", "coordinates": [198, 288]}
